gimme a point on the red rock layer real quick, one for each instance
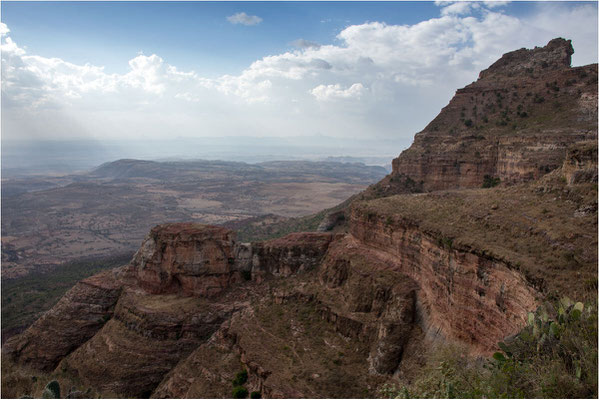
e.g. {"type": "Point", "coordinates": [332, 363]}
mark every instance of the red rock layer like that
{"type": "Point", "coordinates": [192, 259]}
{"type": "Point", "coordinates": [514, 123]}
{"type": "Point", "coordinates": [296, 252]}
{"type": "Point", "coordinates": [463, 296]}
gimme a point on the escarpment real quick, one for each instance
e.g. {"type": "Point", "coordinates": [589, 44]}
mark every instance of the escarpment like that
{"type": "Point", "coordinates": [319, 314]}
{"type": "Point", "coordinates": [514, 123]}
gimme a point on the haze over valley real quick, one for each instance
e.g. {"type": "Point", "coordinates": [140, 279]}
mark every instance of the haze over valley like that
{"type": "Point", "coordinates": [299, 199]}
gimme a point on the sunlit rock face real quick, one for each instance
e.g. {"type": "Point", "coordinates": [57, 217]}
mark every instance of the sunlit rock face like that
{"type": "Point", "coordinates": [186, 258]}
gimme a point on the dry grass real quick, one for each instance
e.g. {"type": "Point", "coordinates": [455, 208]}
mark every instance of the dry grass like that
{"type": "Point", "coordinates": [541, 229]}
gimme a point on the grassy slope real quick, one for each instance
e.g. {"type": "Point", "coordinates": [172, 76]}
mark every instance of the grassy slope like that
{"type": "Point", "coordinates": [535, 227]}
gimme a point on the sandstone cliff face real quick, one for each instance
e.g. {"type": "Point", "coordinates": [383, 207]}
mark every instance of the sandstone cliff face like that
{"type": "Point", "coordinates": [296, 252]}
{"type": "Point", "coordinates": [580, 164]}
{"type": "Point", "coordinates": [514, 123]}
{"type": "Point", "coordinates": [463, 295]}
{"type": "Point", "coordinates": [186, 258]}
{"type": "Point", "coordinates": [147, 336]}
{"type": "Point", "coordinates": [121, 331]}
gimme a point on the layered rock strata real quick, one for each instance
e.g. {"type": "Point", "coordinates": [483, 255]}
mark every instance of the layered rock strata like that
{"type": "Point", "coordinates": [514, 123]}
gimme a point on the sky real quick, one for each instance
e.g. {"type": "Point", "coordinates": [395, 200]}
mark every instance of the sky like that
{"type": "Point", "coordinates": [348, 70]}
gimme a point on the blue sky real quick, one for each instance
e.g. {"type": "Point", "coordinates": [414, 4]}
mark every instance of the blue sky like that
{"type": "Point", "coordinates": [195, 35]}
{"type": "Point", "coordinates": [191, 35]}
{"type": "Point", "coordinates": [110, 70]}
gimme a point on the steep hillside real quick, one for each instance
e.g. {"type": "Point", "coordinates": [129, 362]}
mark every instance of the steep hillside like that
{"type": "Point", "coordinates": [514, 123]}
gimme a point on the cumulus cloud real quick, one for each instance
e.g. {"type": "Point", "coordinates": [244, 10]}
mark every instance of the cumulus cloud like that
{"type": "Point", "coordinates": [458, 8]}
{"type": "Point", "coordinates": [3, 29]}
{"type": "Point", "coordinates": [378, 79]}
{"type": "Point", "coordinates": [244, 19]}
{"type": "Point", "coordinates": [330, 92]}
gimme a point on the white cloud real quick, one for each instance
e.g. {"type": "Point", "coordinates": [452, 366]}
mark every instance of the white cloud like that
{"type": "Point", "coordinates": [3, 29]}
{"type": "Point", "coordinates": [331, 92]}
{"type": "Point", "coordinates": [458, 8]}
{"type": "Point", "coordinates": [496, 3]}
{"type": "Point", "coordinates": [244, 19]}
{"type": "Point", "coordinates": [378, 79]}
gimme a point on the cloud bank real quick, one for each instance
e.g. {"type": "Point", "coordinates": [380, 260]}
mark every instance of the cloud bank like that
{"type": "Point", "coordinates": [377, 81]}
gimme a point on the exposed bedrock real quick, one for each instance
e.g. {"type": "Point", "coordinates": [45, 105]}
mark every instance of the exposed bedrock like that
{"type": "Point", "coordinates": [580, 164]}
{"type": "Point", "coordinates": [514, 123]}
{"type": "Point", "coordinates": [296, 252]}
{"type": "Point", "coordinates": [147, 336]}
{"type": "Point", "coordinates": [202, 260]}
{"type": "Point", "coordinates": [121, 331]}
{"type": "Point", "coordinates": [463, 294]}
{"type": "Point", "coordinates": [186, 258]}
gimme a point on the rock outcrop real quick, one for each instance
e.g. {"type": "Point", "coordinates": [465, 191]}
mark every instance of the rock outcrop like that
{"type": "Point", "coordinates": [188, 258]}
{"type": "Point", "coordinates": [514, 123]}
{"type": "Point", "coordinates": [121, 331]}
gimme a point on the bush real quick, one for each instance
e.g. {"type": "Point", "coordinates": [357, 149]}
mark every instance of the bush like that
{"type": "Point", "coordinates": [246, 275]}
{"type": "Point", "coordinates": [554, 356]}
{"type": "Point", "coordinates": [239, 392]}
{"type": "Point", "coordinates": [255, 395]}
{"type": "Point", "coordinates": [240, 378]}
{"type": "Point", "coordinates": [489, 181]}
{"type": "Point", "coordinates": [51, 391]}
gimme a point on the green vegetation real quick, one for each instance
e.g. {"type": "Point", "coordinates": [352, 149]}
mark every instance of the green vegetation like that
{"type": "Point", "coordinates": [19, 381]}
{"type": "Point", "coordinates": [240, 378]}
{"type": "Point", "coordinates": [255, 395]}
{"type": "Point", "coordinates": [51, 391]}
{"type": "Point", "coordinates": [554, 356]}
{"type": "Point", "coordinates": [246, 275]}
{"type": "Point", "coordinates": [239, 392]}
{"type": "Point", "coordinates": [490, 181]}
{"type": "Point", "coordinates": [25, 299]}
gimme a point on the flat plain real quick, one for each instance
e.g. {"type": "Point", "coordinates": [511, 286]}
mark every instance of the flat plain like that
{"type": "Point", "coordinates": [50, 220]}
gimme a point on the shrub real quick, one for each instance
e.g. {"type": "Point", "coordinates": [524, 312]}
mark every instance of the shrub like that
{"type": "Point", "coordinates": [489, 181]}
{"type": "Point", "coordinates": [239, 392]}
{"type": "Point", "coordinates": [468, 122]}
{"type": "Point", "coordinates": [240, 378]}
{"type": "Point", "coordinates": [51, 391]}
{"type": "Point", "coordinates": [553, 356]}
{"type": "Point", "coordinates": [255, 395]}
{"type": "Point", "coordinates": [247, 275]}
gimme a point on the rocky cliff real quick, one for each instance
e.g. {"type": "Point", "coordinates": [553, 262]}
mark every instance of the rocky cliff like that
{"type": "Point", "coordinates": [340, 314]}
{"type": "Point", "coordinates": [514, 123]}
